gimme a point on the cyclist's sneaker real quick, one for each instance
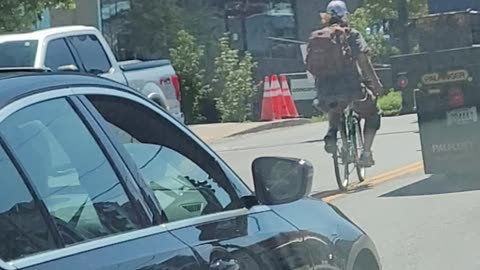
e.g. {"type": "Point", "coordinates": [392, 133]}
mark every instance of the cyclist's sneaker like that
{"type": "Point", "coordinates": [366, 160]}
{"type": "Point", "coordinates": [331, 141]}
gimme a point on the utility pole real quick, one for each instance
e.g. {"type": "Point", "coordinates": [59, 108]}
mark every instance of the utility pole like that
{"type": "Point", "coordinates": [403, 22]}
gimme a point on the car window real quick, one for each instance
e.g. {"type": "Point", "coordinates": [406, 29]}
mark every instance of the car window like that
{"type": "Point", "coordinates": [58, 54]}
{"type": "Point", "coordinates": [70, 172]}
{"type": "Point", "coordinates": [186, 180]}
{"type": "Point", "coordinates": [19, 53]}
{"type": "Point", "coordinates": [91, 53]}
{"type": "Point", "coordinates": [23, 230]}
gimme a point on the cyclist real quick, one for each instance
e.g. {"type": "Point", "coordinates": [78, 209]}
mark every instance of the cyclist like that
{"type": "Point", "coordinates": [355, 82]}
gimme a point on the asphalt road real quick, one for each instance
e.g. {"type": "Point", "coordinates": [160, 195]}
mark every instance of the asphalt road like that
{"type": "Point", "coordinates": [397, 145]}
{"type": "Point", "coordinates": [420, 222]}
{"type": "Point", "coordinates": [417, 221]}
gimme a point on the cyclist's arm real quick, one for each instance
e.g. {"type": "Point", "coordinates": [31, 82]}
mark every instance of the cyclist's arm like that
{"type": "Point", "coordinates": [360, 51]}
{"type": "Point", "coordinates": [369, 73]}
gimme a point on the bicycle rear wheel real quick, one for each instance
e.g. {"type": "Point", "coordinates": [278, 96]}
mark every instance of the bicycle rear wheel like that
{"type": "Point", "coordinates": [341, 158]}
{"type": "Point", "coordinates": [357, 148]}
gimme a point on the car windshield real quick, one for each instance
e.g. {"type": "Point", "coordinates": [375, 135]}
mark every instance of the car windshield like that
{"type": "Point", "coordinates": [17, 54]}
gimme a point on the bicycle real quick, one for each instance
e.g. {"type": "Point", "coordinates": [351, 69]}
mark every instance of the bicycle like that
{"type": "Point", "coordinates": [349, 148]}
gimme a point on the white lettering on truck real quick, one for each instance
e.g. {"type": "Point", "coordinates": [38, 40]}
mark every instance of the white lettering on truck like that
{"type": "Point", "coordinates": [452, 147]}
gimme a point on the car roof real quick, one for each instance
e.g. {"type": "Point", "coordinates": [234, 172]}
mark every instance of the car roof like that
{"type": "Point", "coordinates": [42, 34]}
{"type": "Point", "coordinates": [16, 84]}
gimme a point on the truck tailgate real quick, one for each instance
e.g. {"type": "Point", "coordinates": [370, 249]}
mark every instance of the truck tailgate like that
{"type": "Point", "coordinates": [140, 74]}
{"type": "Point", "coordinates": [448, 103]}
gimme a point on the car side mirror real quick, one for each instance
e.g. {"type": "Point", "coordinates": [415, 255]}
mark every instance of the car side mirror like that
{"type": "Point", "coordinates": [281, 180]}
{"type": "Point", "coordinates": [68, 68]}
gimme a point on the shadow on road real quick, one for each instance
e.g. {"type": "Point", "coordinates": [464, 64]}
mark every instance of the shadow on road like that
{"type": "Point", "coordinates": [437, 184]}
{"type": "Point", "coordinates": [304, 142]}
{"type": "Point", "coordinates": [334, 192]}
{"type": "Point", "coordinates": [379, 134]}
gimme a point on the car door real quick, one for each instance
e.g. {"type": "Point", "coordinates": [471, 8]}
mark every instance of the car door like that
{"type": "Point", "coordinates": [67, 203]}
{"type": "Point", "coordinates": [203, 203]}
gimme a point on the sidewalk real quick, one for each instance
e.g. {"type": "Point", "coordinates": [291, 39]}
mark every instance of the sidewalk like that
{"type": "Point", "coordinates": [213, 132]}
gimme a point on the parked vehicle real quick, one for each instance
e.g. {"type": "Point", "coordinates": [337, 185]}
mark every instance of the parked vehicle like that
{"type": "Point", "coordinates": [81, 48]}
{"type": "Point", "coordinates": [445, 77]}
{"type": "Point", "coordinates": [85, 185]}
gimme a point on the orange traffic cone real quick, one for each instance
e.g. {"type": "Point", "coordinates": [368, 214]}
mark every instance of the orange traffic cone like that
{"type": "Point", "coordinates": [267, 103]}
{"type": "Point", "coordinates": [279, 108]}
{"type": "Point", "coordinates": [287, 96]}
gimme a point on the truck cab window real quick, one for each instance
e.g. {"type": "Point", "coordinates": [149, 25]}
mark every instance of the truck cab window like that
{"type": "Point", "coordinates": [19, 53]}
{"type": "Point", "coordinates": [91, 53]}
{"type": "Point", "coordinates": [58, 54]}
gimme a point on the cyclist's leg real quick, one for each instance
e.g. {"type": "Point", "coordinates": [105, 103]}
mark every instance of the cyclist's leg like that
{"type": "Point", "coordinates": [334, 118]}
{"type": "Point", "coordinates": [333, 106]}
{"type": "Point", "coordinates": [369, 111]}
{"type": "Point", "coordinates": [330, 106]}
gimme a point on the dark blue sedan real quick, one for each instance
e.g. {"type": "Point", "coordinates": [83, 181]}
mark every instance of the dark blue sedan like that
{"type": "Point", "coordinates": [96, 176]}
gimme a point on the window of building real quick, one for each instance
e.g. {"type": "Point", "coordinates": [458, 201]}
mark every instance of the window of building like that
{"type": "Point", "coordinates": [270, 27]}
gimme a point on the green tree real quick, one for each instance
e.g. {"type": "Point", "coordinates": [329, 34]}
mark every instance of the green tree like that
{"type": "Point", "coordinates": [387, 9]}
{"type": "Point", "coordinates": [234, 83]}
{"type": "Point", "coordinates": [375, 11]}
{"type": "Point", "coordinates": [187, 57]}
{"type": "Point", "coordinates": [21, 15]}
{"type": "Point", "coordinates": [154, 26]}
{"type": "Point", "coordinates": [205, 20]}
{"type": "Point", "coordinates": [380, 49]}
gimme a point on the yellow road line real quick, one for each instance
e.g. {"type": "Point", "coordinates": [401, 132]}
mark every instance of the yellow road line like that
{"type": "Point", "coordinates": [376, 180]}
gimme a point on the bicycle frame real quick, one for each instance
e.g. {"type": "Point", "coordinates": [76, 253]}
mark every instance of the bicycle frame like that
{"type": "Point", "coordinates": [349, 130]}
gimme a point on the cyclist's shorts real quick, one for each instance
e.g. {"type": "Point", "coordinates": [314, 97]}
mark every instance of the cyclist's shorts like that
{"type": "Point", "coordinates": [364, 104]}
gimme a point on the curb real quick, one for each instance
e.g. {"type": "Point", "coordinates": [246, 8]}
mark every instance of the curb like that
{"type": "Point", "coordinates": [273, 125]}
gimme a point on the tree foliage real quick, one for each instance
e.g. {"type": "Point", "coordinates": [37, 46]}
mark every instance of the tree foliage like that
{"type": "Point", "coordinates": [376, 12]}
{"type": "Point", "coordinates": [154, 26]}
{"type": "Point", "coordinates": [21, 15]}
{"type": "Point", "coordinates": [387, 9]}
{"type": "Point", "coordinates": [187, 57]}
{"type": "Point", "coordinates": [233, 83]}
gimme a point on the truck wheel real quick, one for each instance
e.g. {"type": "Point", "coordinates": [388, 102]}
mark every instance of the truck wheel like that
{"type": "Point", "coordinates": [157, 99]}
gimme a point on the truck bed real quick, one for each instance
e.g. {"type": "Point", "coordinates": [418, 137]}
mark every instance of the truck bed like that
{"type": "Point", "coordinates": [133, 65]}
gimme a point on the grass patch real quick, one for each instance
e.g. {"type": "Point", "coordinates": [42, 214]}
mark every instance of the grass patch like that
{"type": "Point", "coordinates": [391, 104]}
{"type": "Point", "coordinates": [319, 118]}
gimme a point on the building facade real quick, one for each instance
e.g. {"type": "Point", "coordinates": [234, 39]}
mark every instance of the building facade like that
{"type": "Point", "coordinates": [270, 29]}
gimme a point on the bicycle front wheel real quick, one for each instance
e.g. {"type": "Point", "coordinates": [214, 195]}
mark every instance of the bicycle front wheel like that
{"type": "Point", "coordinates": [357, 148]}
{"type": "Point", "coordinates": [341, 160]}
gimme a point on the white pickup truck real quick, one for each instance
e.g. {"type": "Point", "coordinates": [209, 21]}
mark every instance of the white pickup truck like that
{"type": "Point", "coordinates": [83, 49]}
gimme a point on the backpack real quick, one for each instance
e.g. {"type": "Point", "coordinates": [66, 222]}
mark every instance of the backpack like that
{"type": "Point", "coordinates": [328, 53]}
